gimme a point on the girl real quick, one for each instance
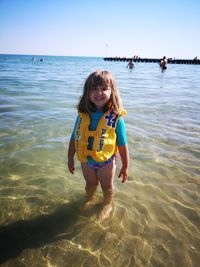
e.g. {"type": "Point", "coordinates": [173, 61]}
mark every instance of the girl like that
{"type": "Point", "coordinates": [99, 131]}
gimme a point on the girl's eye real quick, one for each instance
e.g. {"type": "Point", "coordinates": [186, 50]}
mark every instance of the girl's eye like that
{"type": "Point", "coordinates": [101, 89]}
{"type": "Point", "coordinates": [105, 88]}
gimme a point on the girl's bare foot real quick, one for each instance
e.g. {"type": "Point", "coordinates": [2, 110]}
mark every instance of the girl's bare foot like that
{"type": "Point", "coordinates": [90, 190]}
{"type": "Point", "coordinates": [87, 205]}
{"type": "Point", "coordinates": [105, 212]}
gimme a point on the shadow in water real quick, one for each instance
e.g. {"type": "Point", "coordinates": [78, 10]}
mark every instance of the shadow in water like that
{"type": "Point", "coordinates": [20, 235]}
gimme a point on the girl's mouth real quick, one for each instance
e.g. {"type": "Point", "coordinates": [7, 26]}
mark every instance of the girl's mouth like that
{"type": "Point", "coordinates": [98, 98]}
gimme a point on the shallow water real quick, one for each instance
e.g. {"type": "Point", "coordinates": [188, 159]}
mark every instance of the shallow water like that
{"type": "Point", "coordinates": [156, 216]}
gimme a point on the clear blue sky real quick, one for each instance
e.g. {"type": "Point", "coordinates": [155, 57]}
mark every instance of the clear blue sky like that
{"type": "Point", "coordinates": [149, 28]}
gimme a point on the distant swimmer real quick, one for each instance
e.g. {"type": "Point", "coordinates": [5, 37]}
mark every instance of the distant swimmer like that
{"type": "Point", "coordinates": [33, 58]}
{"type": "Point", "coordinates": [42, 59]}
{"type": "Point", "coordinates": [163, 63]}
{"type": "Point", "coordinates": [130, 64]}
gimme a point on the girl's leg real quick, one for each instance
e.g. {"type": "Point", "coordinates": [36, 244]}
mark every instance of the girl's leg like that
{"type": "Point", "coordinates": [106, 176]}
{"type": "Point", "coordinates": [91, 184]}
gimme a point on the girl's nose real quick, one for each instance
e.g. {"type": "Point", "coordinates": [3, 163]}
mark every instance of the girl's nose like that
{"type": "Point", "coordinates": [99, 90]}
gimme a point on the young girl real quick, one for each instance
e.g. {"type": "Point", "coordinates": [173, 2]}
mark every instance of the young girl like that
{"type": "Point", "coordinates": [99, 132]}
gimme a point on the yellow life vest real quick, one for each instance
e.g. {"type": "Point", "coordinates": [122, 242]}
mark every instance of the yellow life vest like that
{"type": "Point", "coordinates": [104, 143]}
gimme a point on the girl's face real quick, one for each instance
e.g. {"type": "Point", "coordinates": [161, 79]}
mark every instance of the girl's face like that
{"type": "Point", "coordinates": [100, 95]}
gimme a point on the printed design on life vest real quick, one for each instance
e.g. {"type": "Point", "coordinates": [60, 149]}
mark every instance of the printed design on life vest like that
{"type": "Point", "coordinates": [101, 142]}
{"type": "Point", "coordinates": [111, 119]}
{"type": "Point", "coordinates": [78, 133]}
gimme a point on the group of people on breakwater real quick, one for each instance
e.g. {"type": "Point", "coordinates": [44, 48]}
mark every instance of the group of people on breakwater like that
{"type": "Point", "coordinates": [162, 61]}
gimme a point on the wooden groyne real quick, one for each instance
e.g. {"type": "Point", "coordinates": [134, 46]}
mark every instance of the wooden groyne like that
{"type": "Point", "coordinates": [154, 60]}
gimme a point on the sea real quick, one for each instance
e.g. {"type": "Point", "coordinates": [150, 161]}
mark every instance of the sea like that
{"type": "Point", "coordinates": [155, 220]}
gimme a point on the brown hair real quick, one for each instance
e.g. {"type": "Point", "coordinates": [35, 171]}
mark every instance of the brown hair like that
{"type": "Point", "coordinates": [101, 77]}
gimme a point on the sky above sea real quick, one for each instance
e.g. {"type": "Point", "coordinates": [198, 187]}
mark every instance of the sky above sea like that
{"type": "Point", "coordinates": [148, 28]}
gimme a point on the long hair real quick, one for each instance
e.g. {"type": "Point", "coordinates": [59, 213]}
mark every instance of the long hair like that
{"type": "Point", "coordinates": [100, 78]}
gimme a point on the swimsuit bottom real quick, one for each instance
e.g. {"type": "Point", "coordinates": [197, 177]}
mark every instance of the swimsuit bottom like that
{"type": "Point", "coordinates": [99, 165]}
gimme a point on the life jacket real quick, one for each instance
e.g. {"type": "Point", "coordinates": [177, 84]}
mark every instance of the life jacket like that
{"type": "Point", "coordinates": [104, 137]}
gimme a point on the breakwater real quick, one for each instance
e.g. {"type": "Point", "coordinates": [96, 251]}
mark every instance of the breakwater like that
{"type": "Point", "coordinates": [154, 60]}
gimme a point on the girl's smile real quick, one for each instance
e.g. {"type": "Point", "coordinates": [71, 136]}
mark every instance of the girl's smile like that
{"type": "Point", "coordinates": [100, 96]}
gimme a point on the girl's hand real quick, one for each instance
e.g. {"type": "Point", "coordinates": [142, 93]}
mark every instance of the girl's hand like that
{"type": "Point", "coordinates": [124, 174]}
{"type": "Point", "coordinates": [123, 151]}
{"type": "Point", "coordinates": [71, 152]}
{"type": "Point", "coordinates": [71, 166]}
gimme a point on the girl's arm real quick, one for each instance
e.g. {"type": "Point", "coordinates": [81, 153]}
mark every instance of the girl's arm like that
{"type": "Point", "coordinates": [71, 152]}
{"type": "Point", "coordinates": [71, 149]}
{"type": "Point", "coordinates": [124, 154]}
